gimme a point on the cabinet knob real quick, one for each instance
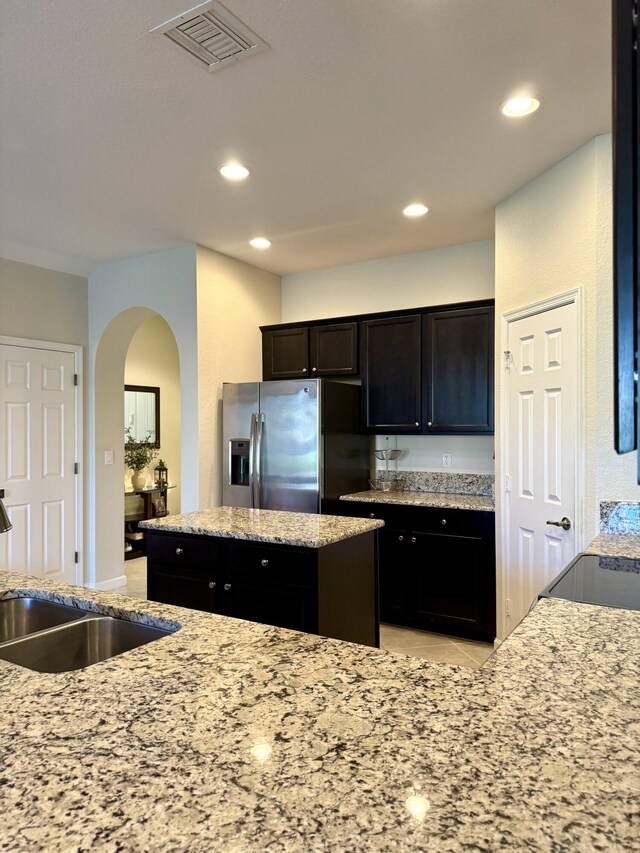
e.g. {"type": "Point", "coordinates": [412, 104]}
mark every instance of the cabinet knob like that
{"type": "Point", "coordinates": [413, 540]}
{"type": "Point", "coordinates": [264, 563]}
{"type": "Point", "coordinates": [417, 423]}
{"type": "Point", "coordinates": [179, 551]}
{"type": "Point", "coordinates": [372, 515]}
{"type": "Point", "coordinates": [428, 423]}
{"type": "Point", "coordinates": [444, 521]}
{"type": "Point", "coordinates": [227, 587]}
{"type": "Point", "coordinates": [212, 584]}
{"type": "Point", "coordinates": [304, 369]}
{"type": "Point", "coordinates": [400, 538]}
{"type": "Point", "coordinates": [313, 369]}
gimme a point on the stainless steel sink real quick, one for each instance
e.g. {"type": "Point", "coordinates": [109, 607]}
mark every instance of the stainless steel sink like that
{"type": "Point", "coordinates": [22, 616]}
{"type": "Point", "coordinates": [78, 644]}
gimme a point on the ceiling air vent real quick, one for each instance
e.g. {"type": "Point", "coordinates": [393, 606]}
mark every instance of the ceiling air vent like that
{"type": "Point", "coordinates": [212, 34]}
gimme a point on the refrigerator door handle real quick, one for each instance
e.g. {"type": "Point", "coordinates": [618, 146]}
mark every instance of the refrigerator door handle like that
{"type": "Point", "coordinates": [252, 460]}
{"type": "Point", "coordinates": [259, 424]}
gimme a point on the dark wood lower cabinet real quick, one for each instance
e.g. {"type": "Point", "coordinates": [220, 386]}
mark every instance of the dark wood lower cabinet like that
{"type": "Point", "coordinates": [330, 591]}
{"type": "Point", "coordinates": [432, 579]}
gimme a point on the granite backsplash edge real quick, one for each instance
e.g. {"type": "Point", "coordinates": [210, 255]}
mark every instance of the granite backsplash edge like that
{"type": "Point", "coordinates": [454, 483]}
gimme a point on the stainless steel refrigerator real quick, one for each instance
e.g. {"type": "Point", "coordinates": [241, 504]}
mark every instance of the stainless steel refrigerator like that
{"type": "Point", "coordinates": [292, 445]}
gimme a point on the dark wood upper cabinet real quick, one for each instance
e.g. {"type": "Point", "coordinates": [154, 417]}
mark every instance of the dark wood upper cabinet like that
{"type": "Point", "coordinates": [285, 353]}
{"type": "Point", "coordinates": [391, 374]}
{"type": "Point", "coordinates": [422, 371]}
{"type": "Point", "coordinates": [334, 349]}
{"type": "Point", "coordinates": [320, 350]}
{"type": "Point", "coordinates": [458, 371]}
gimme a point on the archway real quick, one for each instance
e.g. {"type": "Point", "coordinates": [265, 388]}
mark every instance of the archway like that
{"type": "Point", "coordinates": [108, 503]}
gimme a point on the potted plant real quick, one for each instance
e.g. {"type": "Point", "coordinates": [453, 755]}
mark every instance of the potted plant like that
{"type": "Point", "coordinates": [138, 454]}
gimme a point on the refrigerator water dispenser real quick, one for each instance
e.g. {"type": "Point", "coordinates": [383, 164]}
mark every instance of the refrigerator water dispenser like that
{"type": "Point", "coordinates": [239, 461]}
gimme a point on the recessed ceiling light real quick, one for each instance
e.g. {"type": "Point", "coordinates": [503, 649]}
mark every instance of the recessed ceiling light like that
{"type": "Point", "coordinates": [233, 171]}
{"type": "Point", "coordinates": [523, 105]}
{"type": "Point", "coordinates": [414, 210]}
{"type": "Point", "coordinates": [260, 243]}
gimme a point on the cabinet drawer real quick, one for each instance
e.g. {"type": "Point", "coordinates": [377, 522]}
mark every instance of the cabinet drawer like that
{"type": "Point", "coordinates": [277, 565]}
{"type": "Point", "coordinates": [184, 551]}
{"type": "Point", "coordinates": [452, 522]}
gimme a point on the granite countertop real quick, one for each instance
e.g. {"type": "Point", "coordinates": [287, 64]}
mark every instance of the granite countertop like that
{"type": "Point", "coordinates": [615, 545]}
{"type": "Point", "coordinates": [236, 737]}
{"type": "Point", "coordinates": [437, 499]}
{"type": "Point", "coordinates": [302, 529]}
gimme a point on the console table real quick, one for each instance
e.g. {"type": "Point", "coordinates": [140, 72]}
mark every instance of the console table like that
{"type": "Point", "coordinates": [132, 534]}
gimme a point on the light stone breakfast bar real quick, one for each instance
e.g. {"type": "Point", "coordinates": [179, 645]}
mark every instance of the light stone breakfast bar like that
{"type": "Point", "coordinates": [232, 736]}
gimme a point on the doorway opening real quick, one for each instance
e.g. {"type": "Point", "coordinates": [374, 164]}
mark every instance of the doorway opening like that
{"type": "Point", "coordinates": [138, 349]}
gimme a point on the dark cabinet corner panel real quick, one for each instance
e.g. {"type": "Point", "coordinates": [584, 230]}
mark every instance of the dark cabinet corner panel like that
{"type": "Point", "coordinates": [391, 374]}
{"type": "Point", "coordinates": [334, 349]}
{"type": "Point", "coordinates": [458, 358]}
{"type": "Point", "coordinates": [285, 353]}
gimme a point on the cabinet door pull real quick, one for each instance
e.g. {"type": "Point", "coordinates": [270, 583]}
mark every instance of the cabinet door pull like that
{"type": "Point", "coordinates": [413, 540]}
{"type": "Point", "coordinates": [227, 587]}
{"type": "Point", "coordinates": [179, 551]}
{"type": "Point", "coordinates": [444, 521]}
{"type": "Point", "coordinates": [400, 538]}
{"type": "Point", "coordinates": [212, 584]}
{"type": "Point", "coordinates": [264, 563]}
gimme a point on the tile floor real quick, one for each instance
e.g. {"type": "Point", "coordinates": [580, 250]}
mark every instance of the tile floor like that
{"type": "Point", "coordinates": [420, 644]}
{"type": "Point", "coordinates": [434, 647]}
{"type": "Point", "coordinates": [136, 572]}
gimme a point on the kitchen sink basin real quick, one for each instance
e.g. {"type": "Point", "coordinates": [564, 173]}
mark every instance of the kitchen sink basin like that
{"type": "Point", "coordinates": [78, 644]}
{"type": "Point", "coordinates": [21, 616]}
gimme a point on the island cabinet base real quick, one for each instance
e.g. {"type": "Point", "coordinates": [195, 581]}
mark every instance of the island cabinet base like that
{"type": "Point", "coordinates": [330, 591]}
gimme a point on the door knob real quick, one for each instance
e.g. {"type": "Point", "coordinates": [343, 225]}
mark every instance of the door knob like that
{"type": "Point", "coordinates": [564, 523]}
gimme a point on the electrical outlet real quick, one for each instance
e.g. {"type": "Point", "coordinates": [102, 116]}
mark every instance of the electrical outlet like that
{"type": "Point", "coordinates": [446, 460]}
{"type": "Point", "coordinates": [108, 457]}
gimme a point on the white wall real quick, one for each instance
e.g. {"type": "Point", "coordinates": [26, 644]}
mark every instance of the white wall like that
{"type": "Point", "coordinates": [437, 277]}
{"type": "Point", "coordinates": [234, 299]}
{"type": "Point", "coordinates": [42, 304]}
{"type": "Point", "coordinates": [553, 235]}
{"type": "Point", "coordinates": [152, 359]}
{"type": "Point", "coordinates": [122, 295]}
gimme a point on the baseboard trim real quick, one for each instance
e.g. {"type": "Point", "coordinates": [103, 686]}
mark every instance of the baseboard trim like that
{"type": "Point", "coordinates": [113, 583]}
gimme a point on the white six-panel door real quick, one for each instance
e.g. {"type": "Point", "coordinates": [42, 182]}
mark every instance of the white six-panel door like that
{"type": "Point", "coordinates": [541, 373]}
{"type": "Point", "coordinates": [37, 459]}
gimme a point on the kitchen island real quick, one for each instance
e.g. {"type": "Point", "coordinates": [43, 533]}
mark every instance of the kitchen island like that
{"type": "Point", "coordinates": [309, 572]}
{"type": "Point", "coordinates": [233, 736]}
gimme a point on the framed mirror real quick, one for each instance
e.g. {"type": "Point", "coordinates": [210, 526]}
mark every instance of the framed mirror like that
{"type": "Point", "coordinates": [142, 412]}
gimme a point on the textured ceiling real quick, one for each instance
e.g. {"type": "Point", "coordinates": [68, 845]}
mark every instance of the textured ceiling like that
{"type": "Point", "coordinates": [110, 137]}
